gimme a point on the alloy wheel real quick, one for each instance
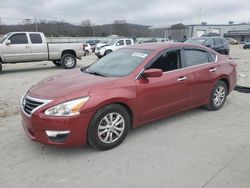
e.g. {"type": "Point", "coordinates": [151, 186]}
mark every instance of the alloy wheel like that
{"type": "Point", "coordinates": [111, 127]}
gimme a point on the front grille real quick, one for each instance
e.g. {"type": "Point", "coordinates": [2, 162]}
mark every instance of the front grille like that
{"type": "Point", "coordinates": [30, 104]}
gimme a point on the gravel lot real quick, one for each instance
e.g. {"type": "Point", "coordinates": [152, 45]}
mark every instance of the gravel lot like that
{"type": "Point", "coordinates": [194, 149]}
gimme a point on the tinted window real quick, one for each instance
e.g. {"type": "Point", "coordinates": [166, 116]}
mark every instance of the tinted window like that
{"type": "Point", "coordinates": [120, 43]}
{"type": "Point", "coordinates": [217, 42]}
{"type": "Point", "coordinates": [128, 42]}
{"type": "Point", "coordinates": [35, 38]}
{"type": "Point", "coordinates": [209, 42]}
{"type": "Point", "coordinates": [167, 62]}
{"type": "Point", "coordinates": [19, 39]}
{"type": "Point", "coordinates": [195, 57]}
{"type": "Point", "coordinates": [212, 57]}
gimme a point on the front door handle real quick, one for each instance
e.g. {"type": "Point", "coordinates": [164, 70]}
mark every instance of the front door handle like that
{"type": "Point", "coordinates": [27, 46]}
{"type": "Point", "coordinates": [212, 69]}
{"type": "Point", "coordinates": [182, 78]}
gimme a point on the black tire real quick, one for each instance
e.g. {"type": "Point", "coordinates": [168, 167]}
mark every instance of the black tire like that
{"type": "Point", "coordinates": [1, 67]}
{"type": "Point", "coordinates": [68, 61]}
{"type": "Point", "coordinates": [86, 52]}
{"type": "Point", "coordinates": [57, 63]}
{"type": "Point", "coordinates": [97, 139]}
{"type": "Point", "coordinates": [212, 104]}
{"type": "Point", "coordinates": [108, 52]}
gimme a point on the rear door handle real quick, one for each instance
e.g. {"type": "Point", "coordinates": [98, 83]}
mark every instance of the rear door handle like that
{"type": "Point", "coordinates": [182, 78]}
{"type": "Point", "coordinates": [212, 69]}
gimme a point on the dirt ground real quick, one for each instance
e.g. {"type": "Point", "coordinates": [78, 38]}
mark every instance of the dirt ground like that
{"type": "Point", "coordinates": [197, 148]}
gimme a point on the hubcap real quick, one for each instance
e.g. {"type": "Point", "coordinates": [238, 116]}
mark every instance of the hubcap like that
{"type": "Point", "coordinates": [219, 95]}
{"type": "Point", "coordinates": [111, 127]}
{"type": "Point", "coordinates": [69, 61]}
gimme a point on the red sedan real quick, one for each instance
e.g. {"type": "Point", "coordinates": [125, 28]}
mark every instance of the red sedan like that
{"type": "Point", "coordinates": [128, 88]}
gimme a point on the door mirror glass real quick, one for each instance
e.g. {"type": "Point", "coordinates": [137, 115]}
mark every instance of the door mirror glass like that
{"type": "Point", "coordinates": [8, 42]}
{"type": "Point", "coordinates": [152, 73]}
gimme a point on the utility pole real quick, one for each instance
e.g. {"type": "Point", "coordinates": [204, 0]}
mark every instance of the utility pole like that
{"type": "Point", "coordinates": [36, 25]}
{"type": "Point", "coordinates": [199, 20]}
{"type": "Point", "coordinates": [93, 30]}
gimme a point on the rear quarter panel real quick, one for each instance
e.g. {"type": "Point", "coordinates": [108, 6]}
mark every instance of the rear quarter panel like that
{"type": "Point", "coordinates": [56, 49]}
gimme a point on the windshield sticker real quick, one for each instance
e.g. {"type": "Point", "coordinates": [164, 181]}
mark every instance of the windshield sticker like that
{"type": "Point", "coordinates": [138, 54]}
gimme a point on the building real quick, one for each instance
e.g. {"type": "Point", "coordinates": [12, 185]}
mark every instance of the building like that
{"type": "Point", "coordinates": [240, 32]}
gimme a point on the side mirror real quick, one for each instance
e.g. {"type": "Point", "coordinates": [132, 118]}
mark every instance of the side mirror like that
{"type": "Point", "coordinates": [8, 42]}
{"type": "Point", "coordinates": [152, 73]}
{"type": "Point", "coordinates": [117, 44]}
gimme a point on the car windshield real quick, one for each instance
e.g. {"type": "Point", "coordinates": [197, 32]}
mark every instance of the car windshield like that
{"type": "Point", "coordinates": [4, 37]}
{"type": "Point", "coordinates": [119, 63]}
{"type": "Point", "coordinates": [197, 41]}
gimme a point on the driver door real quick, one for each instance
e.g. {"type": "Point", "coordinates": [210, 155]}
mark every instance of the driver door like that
{"type": "Point", "coordinates": [18, 50]}
{"type": "Point", "coordinates": [159, 96]}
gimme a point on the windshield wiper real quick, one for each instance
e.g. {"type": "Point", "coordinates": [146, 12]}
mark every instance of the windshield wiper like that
{"type": "Point", "coordinates": [95, 73]}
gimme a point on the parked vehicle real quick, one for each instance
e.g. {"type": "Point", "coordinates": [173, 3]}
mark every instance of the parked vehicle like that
{"type": "Point", "coordinates": [93, 44]}
{"type": "Point", "coordinates": [218, 44]}
{"type": "Point", "coordinates": [128, 88]}
{"type": "Point", "coordinates": [232, 41]}
{"type": "Point", "coordinates": [246, 45]}
{"type": "Point", "coordinates": [113, 45]}
{"type": "Point", "coordinates": [18, 47]}
{"type": "Point", "coordinates": [87, 48]}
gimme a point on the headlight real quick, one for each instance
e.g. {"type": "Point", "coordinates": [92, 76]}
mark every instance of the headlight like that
{"type": "Point", "coordinates": [69, 108]}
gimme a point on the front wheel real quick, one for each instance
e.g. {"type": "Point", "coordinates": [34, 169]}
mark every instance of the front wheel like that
{"type": "Point", "coordinates": [108, 52]}
{"type": "Point", "coordinates": [218, 96]}
{"type": "Point", "coordinates": [109, 127]}
{"type": "Point", "coordinates": [68, 61]}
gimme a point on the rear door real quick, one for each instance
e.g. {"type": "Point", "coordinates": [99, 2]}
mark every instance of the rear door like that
{"type": "Point", "coordinates": [201, 67]}
{"type": "Point", "coordinates": [218, 45]}
{"type": "Point", "coordinates": [166, 94]}
{"type": "Point", "coordinates": [18, 50]}
{"type": "Point", "coordinates": [128, 42]}
{"type": "Point", "coordinates": [38, 47]}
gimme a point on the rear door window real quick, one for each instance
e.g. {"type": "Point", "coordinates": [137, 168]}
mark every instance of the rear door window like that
{"type": "Point", "coordinates": [128, 42]}
{"type": "Point", "coordinates": [217, 42]}
{"type": "Point", "coordinates": [36, 38]}
{"type": "Point", "coordinates": [194, 57]}
{"type": "Point", "coordinates": [19, 38]}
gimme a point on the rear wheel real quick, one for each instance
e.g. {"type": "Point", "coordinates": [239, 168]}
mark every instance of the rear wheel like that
{"type": "Point", "coordinates": [109, 127]}
{"type": "Point", "coordinates": [108, 52]}
{"type": "Point", "coordinates": [57, 63]}
{"type": "Point", "coordinates": [1, 67]}
{"type": "Point", "coordinates": [68, 61]}
{"type": "Point", "coordinates": [218, 96]}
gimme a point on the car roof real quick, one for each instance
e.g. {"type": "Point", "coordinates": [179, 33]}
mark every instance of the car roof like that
{"type": "Point", "coordinates": [158, 46]}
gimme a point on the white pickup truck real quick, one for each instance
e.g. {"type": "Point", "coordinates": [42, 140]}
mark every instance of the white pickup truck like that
{"type": "Point", "coordinates": [115, 44]}
{"type": "Point", "coordinates": [18, 47]}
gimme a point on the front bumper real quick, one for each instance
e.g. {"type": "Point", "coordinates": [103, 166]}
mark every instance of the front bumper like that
{"type": "Point", "coordinates": [60, 131]}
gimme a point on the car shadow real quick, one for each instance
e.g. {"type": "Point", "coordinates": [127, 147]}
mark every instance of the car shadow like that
{"type": "Point", "coordinates": [35, 69]}
{"type": "Point", "coordinates": [88, 150]}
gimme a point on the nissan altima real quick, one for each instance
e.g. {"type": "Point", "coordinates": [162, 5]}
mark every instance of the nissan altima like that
{"type": "Point", "coordinates": [135, 85]}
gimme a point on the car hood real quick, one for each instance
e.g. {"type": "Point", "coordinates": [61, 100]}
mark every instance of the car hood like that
{"type": "Point", "coordinates": [69, 85]}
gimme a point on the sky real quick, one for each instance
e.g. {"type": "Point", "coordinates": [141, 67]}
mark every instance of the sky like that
{"type": "Point", "coordinates": [147, 12]}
